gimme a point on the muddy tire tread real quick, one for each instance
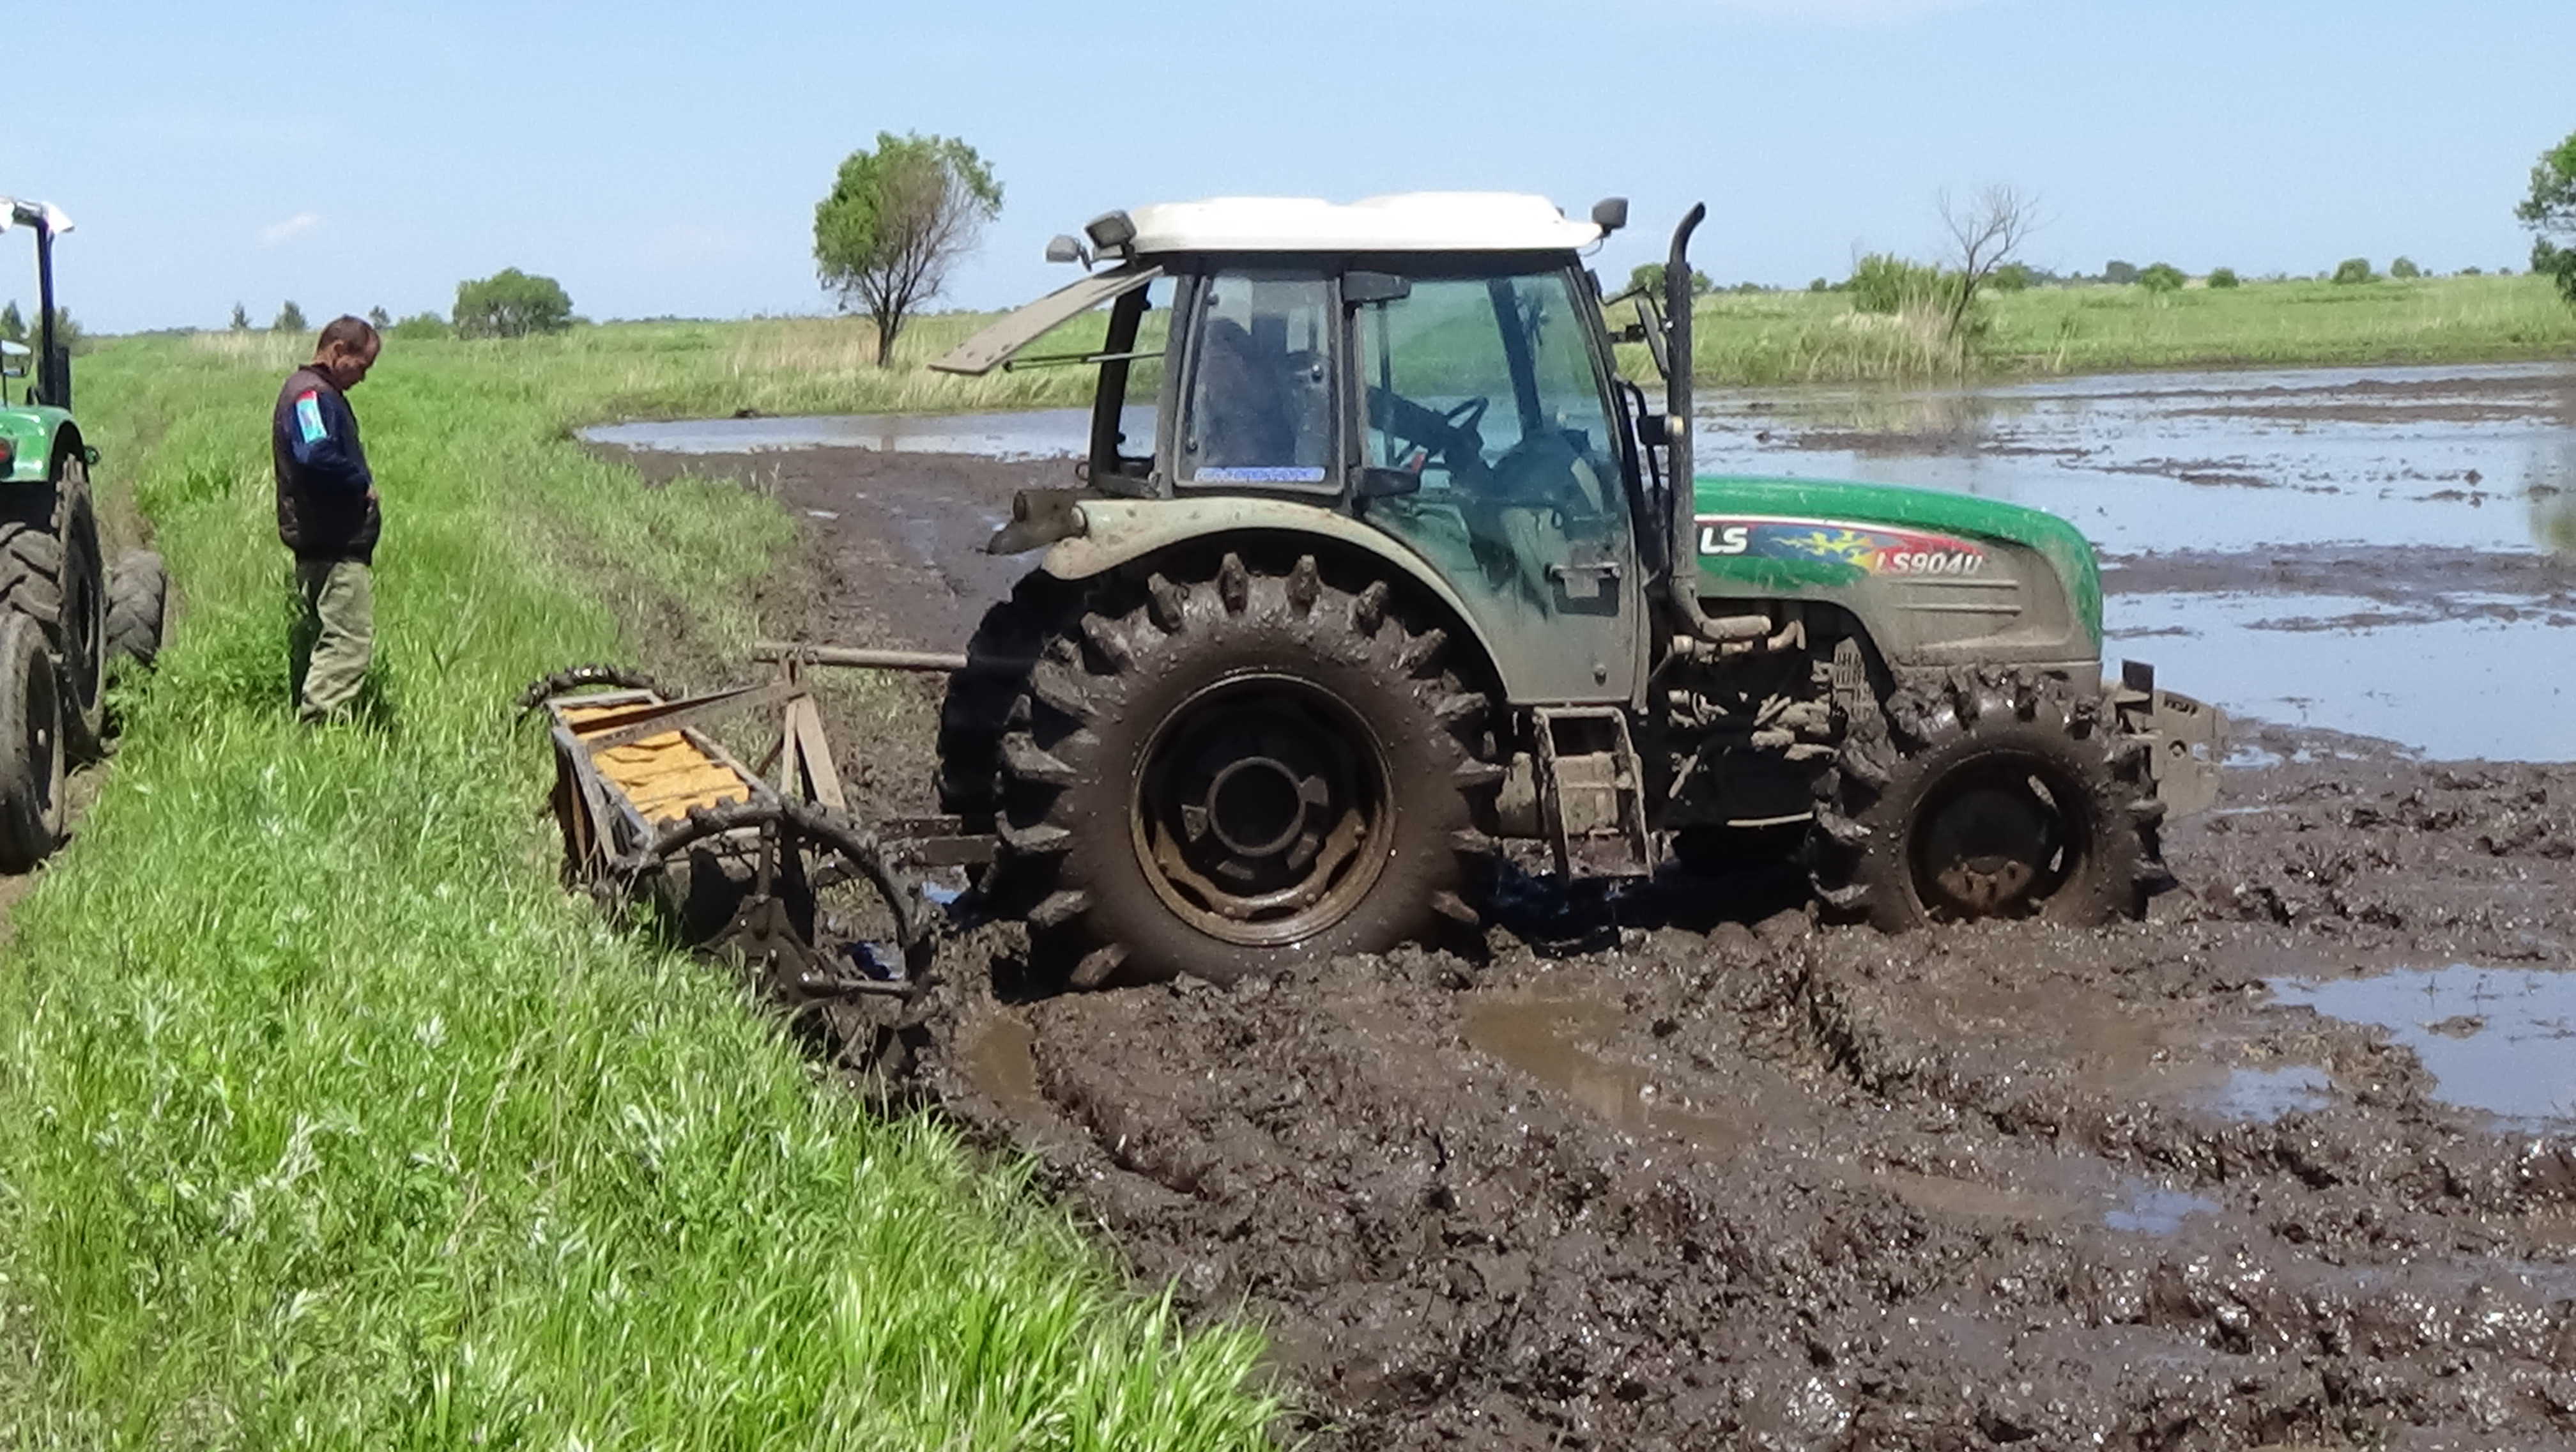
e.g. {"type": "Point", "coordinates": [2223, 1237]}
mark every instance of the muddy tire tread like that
{"type": "Point", "coordinates": [138, 607]}
{"type": "Point", "coordinates": [1083, 714]}
{"type": "Point", "coordinates": [1856, 848]}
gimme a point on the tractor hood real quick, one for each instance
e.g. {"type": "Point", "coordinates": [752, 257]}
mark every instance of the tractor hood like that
{"type": "Point", "coordinates": [1807, 532]}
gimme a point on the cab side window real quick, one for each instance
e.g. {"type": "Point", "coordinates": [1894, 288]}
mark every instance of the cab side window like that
{"type": "Point", "coordinates": [1260, 397]}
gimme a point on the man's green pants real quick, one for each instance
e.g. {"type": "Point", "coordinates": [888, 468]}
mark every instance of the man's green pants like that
{"type": "Point", "coordinates": [335, 638]}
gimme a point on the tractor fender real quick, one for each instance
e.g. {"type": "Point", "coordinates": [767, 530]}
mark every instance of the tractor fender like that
{"type": "Point", "coordinates": [37, 435]}
{"type": "Point", "coordinates": [1113, 532]}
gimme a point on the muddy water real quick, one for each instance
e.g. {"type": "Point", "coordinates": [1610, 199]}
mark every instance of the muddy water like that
{"type": "Point", "coordinates": [2498, 1039]}
{"type": "Point", "coordinates": [2386, 553]}
{"type": "Point", "coordinates": [2383, 552]}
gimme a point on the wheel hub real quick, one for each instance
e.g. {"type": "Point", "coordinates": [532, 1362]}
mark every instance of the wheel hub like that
{"type": "Point", "coordinates": [1995, 847]}
{"type": "Point", "coordinates": [1261, 814]}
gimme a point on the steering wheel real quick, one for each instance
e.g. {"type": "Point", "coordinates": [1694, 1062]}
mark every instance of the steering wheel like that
{"type": "Point", "coordinates": [1451, 435]}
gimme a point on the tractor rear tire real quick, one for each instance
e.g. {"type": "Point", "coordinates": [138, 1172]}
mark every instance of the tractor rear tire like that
{"type": "Point", "coordinates": [1241, 769]}
{"type": "Point", "coordinates": [979, 707]}
{"type": "Point", "coordinates": [31, 746]}
{"type": "Point", "coordinates": [138, 607]}
{"type": "Point", "coordinates": [2007, 795]}
{"type": "Point", "coordinates": [51, 572]}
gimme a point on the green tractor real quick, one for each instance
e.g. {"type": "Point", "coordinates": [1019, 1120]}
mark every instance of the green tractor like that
{"type": "Point", "coordinates": [1379, 574]}
{"type": "Point", "coordinates": [62, 616]}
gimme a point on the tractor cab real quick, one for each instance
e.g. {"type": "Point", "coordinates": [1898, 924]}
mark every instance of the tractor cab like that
{"type": "Point", "coordinates": [1430, 366]}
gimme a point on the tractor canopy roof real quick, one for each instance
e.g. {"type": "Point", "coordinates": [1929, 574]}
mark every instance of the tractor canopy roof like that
{"type": "Point", "coordinates": [1411, 222]}
{"type": "Point", "coordinates": [14, 212]}
{"type": "Point", "coordinates": [1142, 240]}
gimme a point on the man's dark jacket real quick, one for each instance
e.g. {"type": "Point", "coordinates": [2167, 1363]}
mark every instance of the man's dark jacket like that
{"type": "Point", "coordinates": [323, 512]}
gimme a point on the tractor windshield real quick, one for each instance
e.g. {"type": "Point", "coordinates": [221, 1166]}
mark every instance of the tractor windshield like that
{"type": "Point", "coordinates": [1486, 380]}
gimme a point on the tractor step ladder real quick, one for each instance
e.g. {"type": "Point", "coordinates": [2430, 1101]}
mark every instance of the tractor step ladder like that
{"type": "Point", "coordinates": [1592, 796]}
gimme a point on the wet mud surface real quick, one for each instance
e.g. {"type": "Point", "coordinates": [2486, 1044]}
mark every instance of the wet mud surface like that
{"type": "Point", "coordinates": [2291, 1163]}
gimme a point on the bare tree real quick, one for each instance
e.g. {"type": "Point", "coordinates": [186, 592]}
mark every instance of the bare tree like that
{"type": "Point", "coordinates": [1984, 235]}
{"type": "Point", "coordinates": [897, 219]}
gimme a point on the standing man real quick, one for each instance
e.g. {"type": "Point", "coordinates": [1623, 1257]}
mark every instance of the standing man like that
{"type": "Point", "coordinates": [326, 513]}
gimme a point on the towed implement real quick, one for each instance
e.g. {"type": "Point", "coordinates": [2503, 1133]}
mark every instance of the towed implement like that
{"type": "Point", "coordinates": [1377, 574]}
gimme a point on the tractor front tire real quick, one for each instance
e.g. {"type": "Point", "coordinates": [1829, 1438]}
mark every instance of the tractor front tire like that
{"type": "Point", "coordinates": [31, 746]}
{"type": "Point", "coordinates": [1237, 769]}
{"type": "Point", "coordinates": [51, 572]}
{"type": "Point", "coordinates": [2007, 795]}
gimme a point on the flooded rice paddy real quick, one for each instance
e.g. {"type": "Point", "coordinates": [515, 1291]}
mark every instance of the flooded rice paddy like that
{"type": "Point", "coordinates": [2386, 553]}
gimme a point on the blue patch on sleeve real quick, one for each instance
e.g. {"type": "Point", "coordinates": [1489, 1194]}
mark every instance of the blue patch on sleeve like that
{"type": "Point", "coordinates": [308, 418]}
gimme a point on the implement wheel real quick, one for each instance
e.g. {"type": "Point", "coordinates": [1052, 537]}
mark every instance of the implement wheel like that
{"type": "Point", "coordinates": [1236, 769]}
{"type": "Point", "coordinates": [2012, 797]}
{"type": "Point", "coordinates": [138, 607]}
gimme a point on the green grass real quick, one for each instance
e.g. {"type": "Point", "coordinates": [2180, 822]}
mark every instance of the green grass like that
{"type": "Point", "coordinates": [1801, 337]}
{"type": "Point", "coordinates": [327, 1121]}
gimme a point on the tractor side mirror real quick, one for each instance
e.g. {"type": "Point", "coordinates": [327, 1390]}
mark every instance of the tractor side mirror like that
{"type": "Point", "coordinates": [1383, 483]}
{"type": "Point", "coordinates": [1066, 249]}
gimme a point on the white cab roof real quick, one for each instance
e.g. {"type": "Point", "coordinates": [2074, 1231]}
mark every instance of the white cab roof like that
{"type": "Point", "coordinates": [1412, 222]}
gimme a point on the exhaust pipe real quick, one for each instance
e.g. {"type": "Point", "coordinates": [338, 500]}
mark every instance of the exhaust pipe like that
{"type": "Point", "coordinates": [1681, 584]}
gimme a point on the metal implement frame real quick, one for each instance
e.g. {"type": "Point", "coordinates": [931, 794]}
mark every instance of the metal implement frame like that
{"type": "Point", "coordinates": [783, 825]}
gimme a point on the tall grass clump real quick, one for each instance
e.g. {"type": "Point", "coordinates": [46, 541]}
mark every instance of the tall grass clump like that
{"type": "Point", "coordinates": [327, 1120]}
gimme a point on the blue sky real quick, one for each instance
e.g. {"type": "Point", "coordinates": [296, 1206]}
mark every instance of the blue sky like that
{"type": "Point", "coordinates": [660, 157]}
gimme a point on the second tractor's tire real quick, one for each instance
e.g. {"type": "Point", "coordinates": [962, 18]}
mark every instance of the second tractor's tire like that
{"type": "Point", "coordinates": [2001, 795]}
{"type": "Point", "coordinates": [31, 746]}
{"type": "Point", "coordinates": [52, 573]}
{"type": "Point", "coordinates": [138, 607]}
{"type": "Point", "coordinates": [1230, 769]}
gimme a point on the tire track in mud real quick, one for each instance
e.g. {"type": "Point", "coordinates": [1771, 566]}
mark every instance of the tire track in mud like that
{"type": "Point", "coordinates": [1769, 1186]}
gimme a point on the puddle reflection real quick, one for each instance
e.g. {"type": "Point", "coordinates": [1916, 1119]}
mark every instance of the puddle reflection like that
{"type": "Point", "coordinates": [2498, 1039]}
{"type": "Point", "coordinates": [1545, 1039]}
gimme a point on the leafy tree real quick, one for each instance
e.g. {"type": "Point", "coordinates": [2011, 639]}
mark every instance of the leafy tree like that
{"type": "Point", "coordinates": [290, 319]}
{"type": "Point", "coordinates": [2550, 213]}
{"type": "Point", "coordinates": [2118, 273]}
{"type": "Point", "coordinates": [2223, 277]}
{"type": "Point", "coordinates": [2161, 278]}
{"type": "Point", "coordinates": [419, 326]}
{"type": "Point", "coordinates": [2354, 269]}
{"type": "Point", "coordinates": [13, 324]}
{"type": "Point", "coordinates": [67, 334]}
{"type": "Point", "coordinates": [1650, 276]}
{"type": "Point", "coordinates": [1884, 283]}
{"type": "Point", "coordinates": [896, 220]}
{"type": "Point", "coordinates": [2014, 277]}
{"type": "Point", "coordinates": [379, 319]}
{"type": "Point", "coordinates": [511, 304]}
{"type": "Point", "coordinates": [1820, 285]}
{"type": "Point", "coordinates": [2405, 267]}
{"type": "Point", "coordinates": [241, 318]}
